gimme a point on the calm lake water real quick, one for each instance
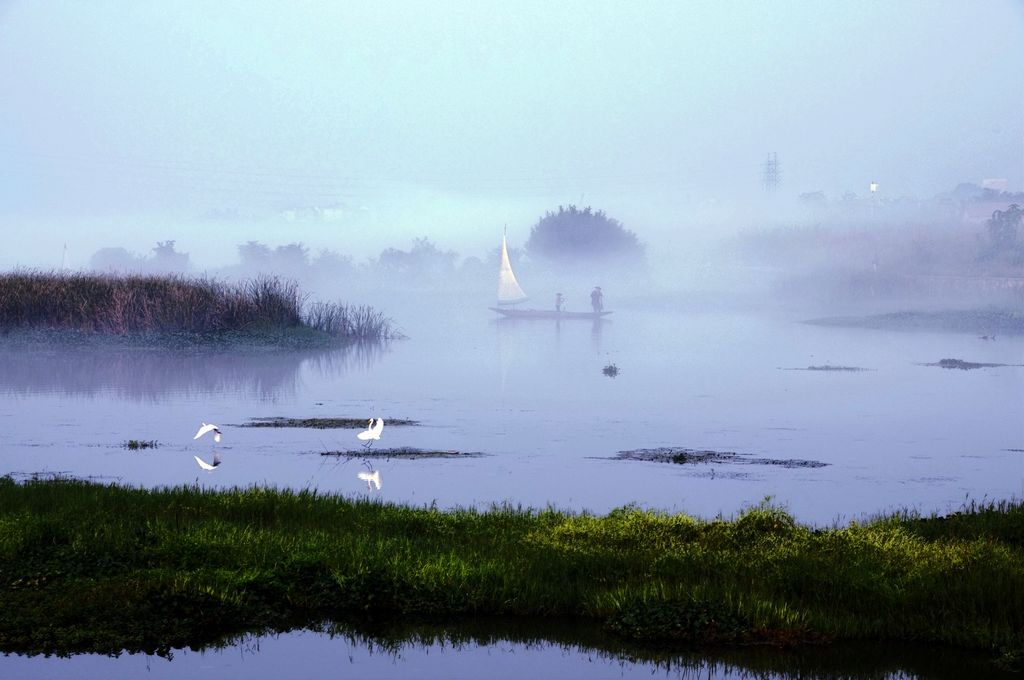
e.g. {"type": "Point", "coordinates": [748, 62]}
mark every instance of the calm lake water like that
{"type": "Point", "coordinates": [533, 398]}
{"type": "Point", "coordinates": [302, 655]}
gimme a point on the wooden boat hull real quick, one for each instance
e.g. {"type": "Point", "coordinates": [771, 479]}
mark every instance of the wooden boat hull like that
{"type": "Point", "coordinates": [547, 314]}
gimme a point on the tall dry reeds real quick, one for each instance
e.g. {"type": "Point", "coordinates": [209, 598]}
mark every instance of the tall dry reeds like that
{"type": "Point", "coordinates": [360, 322]}
{"type": "Point", "coordinates": [106, 303]}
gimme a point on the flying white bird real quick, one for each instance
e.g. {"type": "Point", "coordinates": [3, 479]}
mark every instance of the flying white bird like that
{"type": "Point", "coordinates": [208, 428]}
{"type": "Point", "coordinates": [371, 479]}
{"type": "Point", "coordinates": [372, 433]}
{"type": "Point", "coordinates": [207, 466]}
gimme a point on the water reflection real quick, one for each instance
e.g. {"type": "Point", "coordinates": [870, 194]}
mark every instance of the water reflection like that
{"type": "Point", "coordinates": [508, 649]}
{"type": "Point", "coordinates": [591, 649]}
{"type": "Point", "coordinates": [150, 375]}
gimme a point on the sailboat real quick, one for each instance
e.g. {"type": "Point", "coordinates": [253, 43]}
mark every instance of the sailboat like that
{"type": "Point", "coordinates": [510, 294]}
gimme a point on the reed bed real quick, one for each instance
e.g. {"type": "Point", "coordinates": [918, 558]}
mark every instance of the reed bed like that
{"type": "Point", "coordinates": [140, 304]}
{"type": "Point", "coordinates": [88, 567]}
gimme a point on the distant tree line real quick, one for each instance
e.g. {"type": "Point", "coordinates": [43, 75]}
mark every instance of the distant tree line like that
{"type": "Point", "coordinates": [570, 235]}
{"type": "Point", "coordinates": [1003, 234]}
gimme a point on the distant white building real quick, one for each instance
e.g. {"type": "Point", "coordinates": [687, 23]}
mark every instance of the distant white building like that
{"type": "Point", "coordinates": [331, 213]}
{"type": "Point", "coordinates": [996, 184]}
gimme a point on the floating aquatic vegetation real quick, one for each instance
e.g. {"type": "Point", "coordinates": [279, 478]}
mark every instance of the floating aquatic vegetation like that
{"type": "Point", "coordinates": [828, 367]}
{"type": "Point", "coordinates": [321, 423]}
{"type": "Point", "coordinates": [404, 452]}
{"type": "Point", "coordinates": [137, 444]}
{"type": "Point", "coordinates": [964, 365]}
{"type": "Point", "coordinates": [683, 456]}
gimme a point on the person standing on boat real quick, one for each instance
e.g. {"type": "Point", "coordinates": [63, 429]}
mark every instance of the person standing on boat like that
{"type": "Point", "coordinates": [558, 302]}
{"type": "Point", "coordinates": [597, 299]}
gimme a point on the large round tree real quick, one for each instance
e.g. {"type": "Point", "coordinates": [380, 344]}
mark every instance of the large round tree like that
{"type": "Point", "coordinates": [574, 235]}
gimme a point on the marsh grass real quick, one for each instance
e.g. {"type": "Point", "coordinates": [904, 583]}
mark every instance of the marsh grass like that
{"type": "Point", "coordinates": [89, 567]}
{"type": "Point", "coordinates": [138, 304]}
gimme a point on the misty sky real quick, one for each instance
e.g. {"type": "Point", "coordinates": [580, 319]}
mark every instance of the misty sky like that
{"type": "Point", "coordinates": [126, 122]}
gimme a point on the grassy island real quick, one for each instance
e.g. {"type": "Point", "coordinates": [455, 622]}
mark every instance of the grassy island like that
{"type": "Point", "coordinates": [172, 310]}
{"type": "Point", "coordinates": [89, 567]}
{"type": "Point", "coordinates": [990, 321]}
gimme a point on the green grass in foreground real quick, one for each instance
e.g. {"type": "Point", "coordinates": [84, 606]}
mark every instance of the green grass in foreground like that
{"type": "Point", "coordinates": [87, 567]}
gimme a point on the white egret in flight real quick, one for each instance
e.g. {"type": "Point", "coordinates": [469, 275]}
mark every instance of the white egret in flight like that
{"type": "Point", "coordinates": [372, 433]}
{"type": "Point", "coordinates": [208, 428]}
{"type": "Point", "coordinates": [207, 466]}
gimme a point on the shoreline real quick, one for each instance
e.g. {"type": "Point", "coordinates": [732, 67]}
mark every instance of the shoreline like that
{"type": "Point", "coordinates": [988, 321]}
{"type": "Point", "coordinates": [285, 339]}
{"type": "Point", "coordinates": [106, 568]}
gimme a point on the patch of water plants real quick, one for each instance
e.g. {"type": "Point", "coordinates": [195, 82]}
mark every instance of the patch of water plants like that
{"type": "Point", "coordinates": [403, 452]}
{"type": "Point", "coordinates": [138, 444]}
{"type": "Point", "coordinates": [683, 456]}
{"type": "Point", "coordinates": [321, 423]}
{"type": "Point", "coordinates": [89, 567]}
{"type": "Point", "coordinates": [829, 367]}
{"type": "Point", "coordinates": [965, 365]}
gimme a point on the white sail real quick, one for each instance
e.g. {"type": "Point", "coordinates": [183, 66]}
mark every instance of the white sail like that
{"type": "Point", "coordinates": [509, 292]}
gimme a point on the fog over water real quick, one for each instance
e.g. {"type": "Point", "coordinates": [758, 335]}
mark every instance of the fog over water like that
{"type": "Point", "coordinates": [375, 152]}
{"type": "Point", "coordinates": [126, 123]}
{"type": "Point", "coordinates": [532, 396]}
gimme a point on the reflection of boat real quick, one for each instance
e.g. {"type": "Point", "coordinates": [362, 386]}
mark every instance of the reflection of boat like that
{"type": "Point", "coordinates": [510, 294]}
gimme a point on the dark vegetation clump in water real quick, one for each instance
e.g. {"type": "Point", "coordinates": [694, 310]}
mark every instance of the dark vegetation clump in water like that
{"type": "Point", "coordinates": [828, 367]}
{"type": "Point", "coordinates": [611, 370]}
{"type": "Point", "coordinates": [321, 423]}
{"type": "Point", "coordinates": [964, 365]}
{"type": "Point", "coordinates": [104, 568]}
{"type": "Point", "coordinates": [404, 452]}
{"type": "Point", "coordinates": [988, 321]}
{"type": "Point", "coordinates": [184, 309]}
{"type": "Point", "coordinates": [137, 444]}
{"type": "Point", "coordinates": [681, 456]}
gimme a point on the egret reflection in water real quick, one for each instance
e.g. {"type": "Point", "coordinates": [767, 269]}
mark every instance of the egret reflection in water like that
{"type": "Point", "coordinates": [371, 478]}
{"type": "Point", "coordinates": [208, 466]}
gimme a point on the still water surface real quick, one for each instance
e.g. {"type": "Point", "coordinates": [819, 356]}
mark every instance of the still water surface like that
{"type": "Point", "coordinates": [302, 655]}
{"type": "Point", "coordinates": [532, 396]}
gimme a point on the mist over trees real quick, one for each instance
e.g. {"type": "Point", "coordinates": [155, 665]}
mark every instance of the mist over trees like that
{"type": "Point", "coordinates": [165, 258]}
{"type": "Point", "coordinates": [423, 263]}
{"type": "Point", "coordinates": [952, 248]}
{"type": "Point", "coordinates": [572, 235]}
{"type": "Point", "coordinates": [1002, 230]}
{"type": "Point", "coordinates": [423, 259]}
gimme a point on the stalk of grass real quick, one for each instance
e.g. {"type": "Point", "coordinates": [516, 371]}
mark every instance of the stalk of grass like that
{"type": "Point", "coordinates": [87, 567]}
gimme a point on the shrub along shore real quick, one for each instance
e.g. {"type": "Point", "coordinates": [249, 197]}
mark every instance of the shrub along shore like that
{"type": "Point", "coordinates": [175, 306]}
{"type": "Point", "coordinates": [104, 568]}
